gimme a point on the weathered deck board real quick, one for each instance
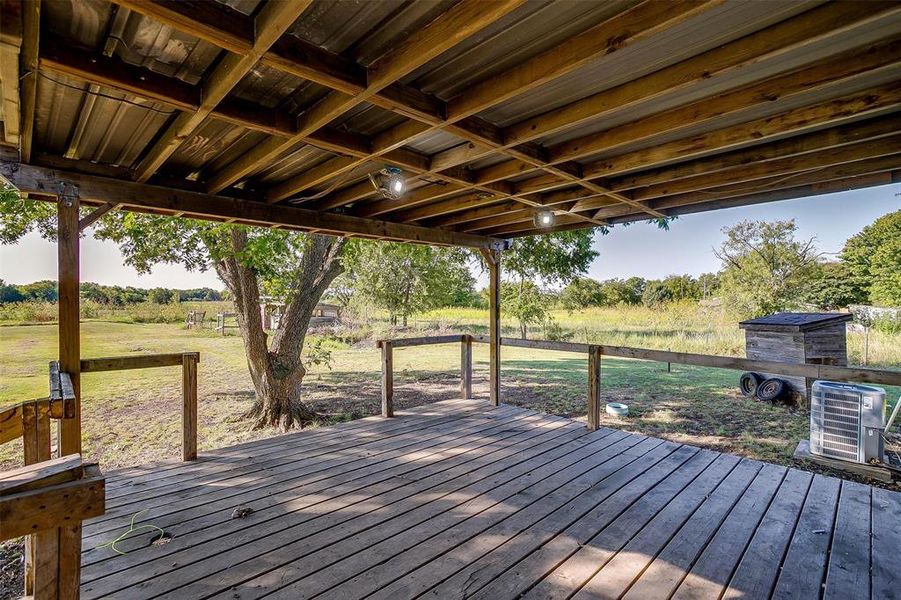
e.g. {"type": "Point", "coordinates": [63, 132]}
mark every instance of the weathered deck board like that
{"type": "Point", "coordinates": [463, 500]}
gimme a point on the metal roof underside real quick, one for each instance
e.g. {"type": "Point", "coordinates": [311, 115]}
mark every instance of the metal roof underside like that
{"type": "Point", "coordinates": [581, 142]}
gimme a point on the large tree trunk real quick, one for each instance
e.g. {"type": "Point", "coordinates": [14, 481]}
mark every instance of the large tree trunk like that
{"type": "Point", "coordinates": [276, 369]}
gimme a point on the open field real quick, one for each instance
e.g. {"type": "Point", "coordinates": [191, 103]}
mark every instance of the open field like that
{"type": "Point", "coordinates": [132, 417]}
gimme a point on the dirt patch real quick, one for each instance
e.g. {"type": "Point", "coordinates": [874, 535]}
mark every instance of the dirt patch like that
{"type": "Point", "coordinates": [12, 569]}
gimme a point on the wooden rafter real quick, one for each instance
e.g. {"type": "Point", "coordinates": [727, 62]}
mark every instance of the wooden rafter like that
{"type": "Point", "coordinates": [449, 29]}
{"type": "Point", "coordinates": [270, 24]}
{"type": "Point", "coordinates": [610, 35]}
{"type": "Point", "coordinates": [823, 22]}
{"type": "Point", "coordinates": [880, 100]}
{"type": "Point", "coordinates": [794, 33]}
{"type": "Point", "coordinates": [108, 71]}
{"type": "Point", "coordinates": [10, 47]}
{"type": "Point", "coordinates": [622, 29]}
{"type": "Point", "coordinates": [833, 119]}
{"type": "Point", "coordinates": [831, 169]}
{"type": "Point", "coordinates": [877, 171]}
{"type": "Point", "coordinates": [28, 70]}
{"type": "Point", "coordinates": [825, 144]}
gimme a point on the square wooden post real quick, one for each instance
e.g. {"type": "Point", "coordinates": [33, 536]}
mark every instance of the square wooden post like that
{"type": "Point", "coordinates": [466, 367]}
{"type": "Point", "coordinates": [493, 259]}
{"type": "Point", "coordinates": [69, 330]}
{"type": "Point", "coordinates": [189, 407]}
{"type": "Point", "coordinates": [594, 387]}
{"type": "Point", "coordinates": [41, 547]}
{"type": "Point", "coordinates": [67, 556]}
{"type": "Point", "coordinates": [387, 379]}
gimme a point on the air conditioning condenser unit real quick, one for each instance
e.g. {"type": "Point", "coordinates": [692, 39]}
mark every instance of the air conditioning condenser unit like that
{"type": "Point", "coordinates": [847, 421]}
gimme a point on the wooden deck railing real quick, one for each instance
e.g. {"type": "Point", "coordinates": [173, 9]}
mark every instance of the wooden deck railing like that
{"type": "Point", "coordinates": [388, 346]}
{"type": "Point", "coordinates": [48, 497]}
{"type": "Point", "coordinates": [595, 352]}
{"type": "Point", "coordinates": [188, 362]}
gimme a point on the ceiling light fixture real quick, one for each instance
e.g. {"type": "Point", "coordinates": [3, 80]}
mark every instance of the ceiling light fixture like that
{"type": "Point", "coordinates": [388, 182]}
{"type": "Point", "coordinates": [544, 218]}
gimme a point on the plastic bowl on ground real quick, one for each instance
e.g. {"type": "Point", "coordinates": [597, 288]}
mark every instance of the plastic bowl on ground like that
{"type": "Point", "coordinates": [617, 409]}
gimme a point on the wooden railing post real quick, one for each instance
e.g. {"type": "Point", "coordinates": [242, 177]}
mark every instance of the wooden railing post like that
{"type": "Point", "coordinates": [594, 387]}
{"type": "Point", "coordinates": [466, 366]}
{"type": "Point", "coordinates": [189, 408]}
{"type": "Point", "coordinates": [387, 378]}
{"type": "Point", "coordinates": [41, 547]}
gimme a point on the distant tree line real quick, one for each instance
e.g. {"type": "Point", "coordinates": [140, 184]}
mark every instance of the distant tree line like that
{"type": "Point", "coordinates": [112, 295]}
{"type": "Point", "coordinates": [767, 269]}
{"type": "Point", "coordinates": [584, 292]}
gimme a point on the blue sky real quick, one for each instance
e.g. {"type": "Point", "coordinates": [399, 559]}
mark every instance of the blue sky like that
{"type": "Point", "coordinates": [640, 249]}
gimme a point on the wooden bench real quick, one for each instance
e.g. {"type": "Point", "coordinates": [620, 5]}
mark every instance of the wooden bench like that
{"type": "Point", "coordinates": [47, 501]}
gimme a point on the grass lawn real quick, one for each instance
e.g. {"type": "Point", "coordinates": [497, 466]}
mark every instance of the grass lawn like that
{"type": "Point", "coordinates": [132, 417]}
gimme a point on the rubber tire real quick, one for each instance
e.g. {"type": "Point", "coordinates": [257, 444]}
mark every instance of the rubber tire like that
{"type": "Point", "coordinates": [771, 389]}
{"type": "Point", "coordinates": [748, 384]}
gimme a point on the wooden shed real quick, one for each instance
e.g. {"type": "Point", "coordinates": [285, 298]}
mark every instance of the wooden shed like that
{"type": "Point", "coordinates": [812, 338]}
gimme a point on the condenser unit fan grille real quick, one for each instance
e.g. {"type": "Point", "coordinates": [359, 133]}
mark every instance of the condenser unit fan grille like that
{"type": "Point", "coordinates": [835, 424]}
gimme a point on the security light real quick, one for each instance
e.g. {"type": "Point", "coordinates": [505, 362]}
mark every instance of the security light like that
{"type": "Point", "coordinates": [388, 182]}
{"type": "Point", "coordinates": [544, 218]}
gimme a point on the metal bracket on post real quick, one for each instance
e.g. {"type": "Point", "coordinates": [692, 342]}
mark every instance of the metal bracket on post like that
{"type": "Point", "coordinates": [67, 193]}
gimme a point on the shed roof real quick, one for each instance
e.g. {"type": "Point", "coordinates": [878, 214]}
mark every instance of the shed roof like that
{"type": "Point", "coordinates": [604, 112]}
{"type": "Point", "coordinates": [788, 321]}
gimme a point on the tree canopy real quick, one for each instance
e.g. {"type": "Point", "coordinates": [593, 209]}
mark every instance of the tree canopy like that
{"type": "Point", "coordinates": [874, 256]}
{"type": "Point", "coordinates": [405, 279]}
{"type": "Point", "coordinates": [765, 267]}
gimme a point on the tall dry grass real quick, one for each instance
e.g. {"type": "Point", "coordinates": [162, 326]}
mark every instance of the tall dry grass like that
{"type": "Point", "coordinates": [34, 312]}
{"type": "Point", "coordinates": [680, 326]}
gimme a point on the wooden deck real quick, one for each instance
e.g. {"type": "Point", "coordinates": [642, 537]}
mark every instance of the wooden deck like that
{"type": "Point", "coordinates": [459, 499]}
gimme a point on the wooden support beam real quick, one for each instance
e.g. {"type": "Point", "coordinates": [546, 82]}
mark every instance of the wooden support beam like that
{"type": "Point", "coordinates": [779, 188]}
{"type": "Point", "coordinates": [466, 367]}
{"type": "Point", "coordinates": [173, 92]}
{"type": "Point", "coordinates": [95, 215]}
{"type": "Point", "coordinates": [869, 60]}
{"type": "Point", "coordinates": [855, 175]}
{"type": "Point", "coordinates": [594, 388]}
{"type": "Point", "coordinates": [880, 100]}
{"type": "Point", "coordinates": [189, 407]}
{"type": "Point", "coordinates": [814, 161]}
{"type": "Point", "coordinates": [620, 30]}
{"type": "Point", "coordinates": [213, 22]}
{"type": "Point", "coordinates": [810, 27]}
{"type": "Point", "coordinates": [612, 34]}
{"type": "Point", "coordinates": [805, 29]}
{"type": "Point", "coordinates": [28, 69]}
{"type": "Point", "coordinates": [10, 47]}
{"type": "Point", "coordinates": [270, 24]}
{"type": "Point", "coordinates": [832, 138]}
{"type": "Point", "coordinates": [132, 195]}
{"type": "Point", "coordinates": [493, 260]}
{"type": "Point", "coordinates": [69, 261]}
{"type": "Point", "coordinates": [790, 171]}
{"type": "Point", "coordinates": [387, 379]}
{"type": "Point", "coordinates": [443, 207]}
{"type": "Point", "coordinates": [110, 72]}
{"type": "Point", "coordinates": [458, 23]}
{"type": "Point", "coordinates": [472, 214]}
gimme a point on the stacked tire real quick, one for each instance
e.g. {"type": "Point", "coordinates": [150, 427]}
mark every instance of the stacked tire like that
{"type": "Point", "coordinates": [754, 385]}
